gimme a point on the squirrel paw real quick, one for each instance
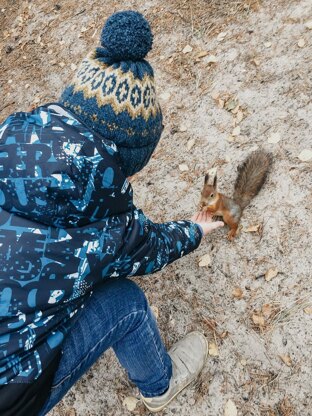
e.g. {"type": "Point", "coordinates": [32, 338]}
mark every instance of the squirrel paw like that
{"type": "Point", "coordinates": [231, 235]}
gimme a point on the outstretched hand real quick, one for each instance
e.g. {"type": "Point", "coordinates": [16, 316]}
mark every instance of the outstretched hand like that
{"type": "Point", "coordinates": [204, 219]}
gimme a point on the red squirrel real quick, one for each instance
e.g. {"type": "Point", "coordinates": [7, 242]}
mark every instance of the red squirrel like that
{"type": "Point", "coordinates": [251, 176]}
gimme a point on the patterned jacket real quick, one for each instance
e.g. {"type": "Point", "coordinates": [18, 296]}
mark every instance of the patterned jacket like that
{"type": "Point", "coordinates": [67, 221]}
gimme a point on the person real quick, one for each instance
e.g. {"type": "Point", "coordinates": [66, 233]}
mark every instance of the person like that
{"type": "Point", "coordinates": [70, 235]}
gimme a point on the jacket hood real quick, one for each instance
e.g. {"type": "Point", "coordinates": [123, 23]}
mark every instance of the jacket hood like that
{"type": "Point", "coordinates": [55, 170]}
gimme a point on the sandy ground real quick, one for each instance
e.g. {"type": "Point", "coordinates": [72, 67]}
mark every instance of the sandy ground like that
{"type": "Point", "coordinates": [252, 88]}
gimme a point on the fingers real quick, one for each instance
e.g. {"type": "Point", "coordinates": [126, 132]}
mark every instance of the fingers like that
{"type": "Point", "coordinates": [195, 217]}
{"type": "Point", "coordinates": [202, 216]}
{"type": "Point", "coordinates": [216, 224]}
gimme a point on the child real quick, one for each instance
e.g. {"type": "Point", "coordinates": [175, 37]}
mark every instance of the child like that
{"type": "Point", "coordinates": [68, 223]}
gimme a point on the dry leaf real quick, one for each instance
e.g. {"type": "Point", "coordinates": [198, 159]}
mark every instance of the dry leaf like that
{"type": "Point", "coordinates": [190, 144]}
{"type": "Point", "coordinates": [253, 228]}
{"type": "Point", "coordinates": [267, 44]}
{"type": "Point", "coordinates": [286, 359]}
{"type": "Point", "coordinates": [258, 320]}
{"type": "Point", "coordinates": [270, 274]}
{"type": "Point", "coordinates": [202, 54]}
{"type": "Point", "coordinates": [301, 43]}
{"type": "Point", "coordinates": [230, 408]}
{"type": "Point", "coordinates": [308, 310]}
{"type": "Point", "coordinates": [155, 311]}
{"type": "Point", "coordinates": [238, 293]}
{"type": "Point", "coordinates": [231, 139]}
{"type": "Point", "coordinates": [213, 349]}
{"type": "Point", "coordinates": [239, 116]}
{"type": "Point", "coordinates": [235, 110]}
{"type": "Point", "coordinates": [204, 261]}
{"type": "Point", "coordinates": [130, 403]}
{"type": "Point", "coordinates": [308, 25]}
{"type": "Point", "coordinates": [274, 138]}
{"type": "Point", "coordinates": [305, 155]}
{"type": "Point", "coordinates": [236, 131]}
{"type": "Point", "coordinates": [215, 95]}
{"type": "Point", "coordinates": [220, 103]}
{"type": "Point", "coordinates": [231, 104]}
{"type": "Point", "coordinates": [267, 310]}
{"type": "Point", "coordinates": [256, 61]}
{"type": "Point", "coordinates": [183, 167]}
{"type": "Point", "coordinates": [187, 49]}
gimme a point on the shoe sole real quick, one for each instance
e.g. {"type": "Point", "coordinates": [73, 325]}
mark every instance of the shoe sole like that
{"type": "Point", "coordinates": [158, 409]}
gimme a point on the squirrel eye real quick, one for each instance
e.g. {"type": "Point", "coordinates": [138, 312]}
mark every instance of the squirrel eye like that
{"type": "Point", "coordinates": [211, 195]}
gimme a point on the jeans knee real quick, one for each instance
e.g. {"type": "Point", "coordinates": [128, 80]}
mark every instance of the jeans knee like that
{"type": "Point", "coordinates": [122, 295]}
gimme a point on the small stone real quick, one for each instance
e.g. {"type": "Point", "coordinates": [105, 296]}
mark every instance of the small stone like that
{"type": "Point", "coordinates": [236, 131]}
{"type": "Point", "coordinates": [305, 155]}
{"type": "Point", "coordinates": [211, 59]}
{"type": "Point", "coordinates": [267, 44]}
{"type": "Point", "coordinates": [274, 138]}
{"type": "Point", "coordinates": [130, 403]}
{"type": "Point", "coordinates": [245, 396]}
{"type": "Point", "coordinates": [187, 49]}
{"type": "Point", "coordinates": [301, 43]}
{"type": "Point", "coordinates": [221, 36]}
{"type": "Point", "coordinates": [165, 96]}
{"type": "Point", "coordinates": [8, 49]}
{"type": "Point", "coordinates": [183, 167]}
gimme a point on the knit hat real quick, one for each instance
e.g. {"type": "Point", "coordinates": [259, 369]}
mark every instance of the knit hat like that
{"type": "Point", "coordinates": [113, 91]}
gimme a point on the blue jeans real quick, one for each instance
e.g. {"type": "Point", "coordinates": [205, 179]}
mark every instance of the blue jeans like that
{"type": "Point", "coordinates": [118, 316]}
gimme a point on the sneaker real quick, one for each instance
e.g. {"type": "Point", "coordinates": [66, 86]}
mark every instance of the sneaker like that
{"type": "Point", "coordinates": [188, 357]}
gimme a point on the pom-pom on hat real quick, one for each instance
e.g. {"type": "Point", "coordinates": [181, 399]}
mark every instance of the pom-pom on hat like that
{"type": "Point", "coordinates": [127, 36]}
{"type": "Point", "coordinates": [113, 91]}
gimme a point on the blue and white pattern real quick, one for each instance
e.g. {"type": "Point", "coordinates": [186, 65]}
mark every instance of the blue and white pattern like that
{"type": "Point", "coordinates": [67, 221]}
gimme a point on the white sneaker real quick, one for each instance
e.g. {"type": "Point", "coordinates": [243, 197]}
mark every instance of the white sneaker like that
{"type": "Point", "coordinates": [188, 357]}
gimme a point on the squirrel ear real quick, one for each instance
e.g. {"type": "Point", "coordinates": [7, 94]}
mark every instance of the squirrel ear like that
{"type": "Point", "coordinates": [215, 181]}
{"type": "Point", "coordinates": [206, 178]}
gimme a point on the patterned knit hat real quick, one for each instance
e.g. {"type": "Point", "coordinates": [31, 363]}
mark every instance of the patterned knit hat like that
{"type": "Point", "coordinates": [113, 91]}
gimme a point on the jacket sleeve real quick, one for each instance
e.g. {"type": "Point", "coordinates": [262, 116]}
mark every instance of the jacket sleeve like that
{"type": "Point", "coordinates": [153, 246]}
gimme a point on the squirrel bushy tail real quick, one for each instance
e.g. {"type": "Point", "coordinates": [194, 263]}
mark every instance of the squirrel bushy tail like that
{"type": "Point", "coordinates": [251, 176]}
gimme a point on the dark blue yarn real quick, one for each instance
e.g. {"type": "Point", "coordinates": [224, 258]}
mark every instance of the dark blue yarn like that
{"type": "Point", "coordinates": [138, 68]}
{"type": "Point", "coordinates": [127, 36]}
